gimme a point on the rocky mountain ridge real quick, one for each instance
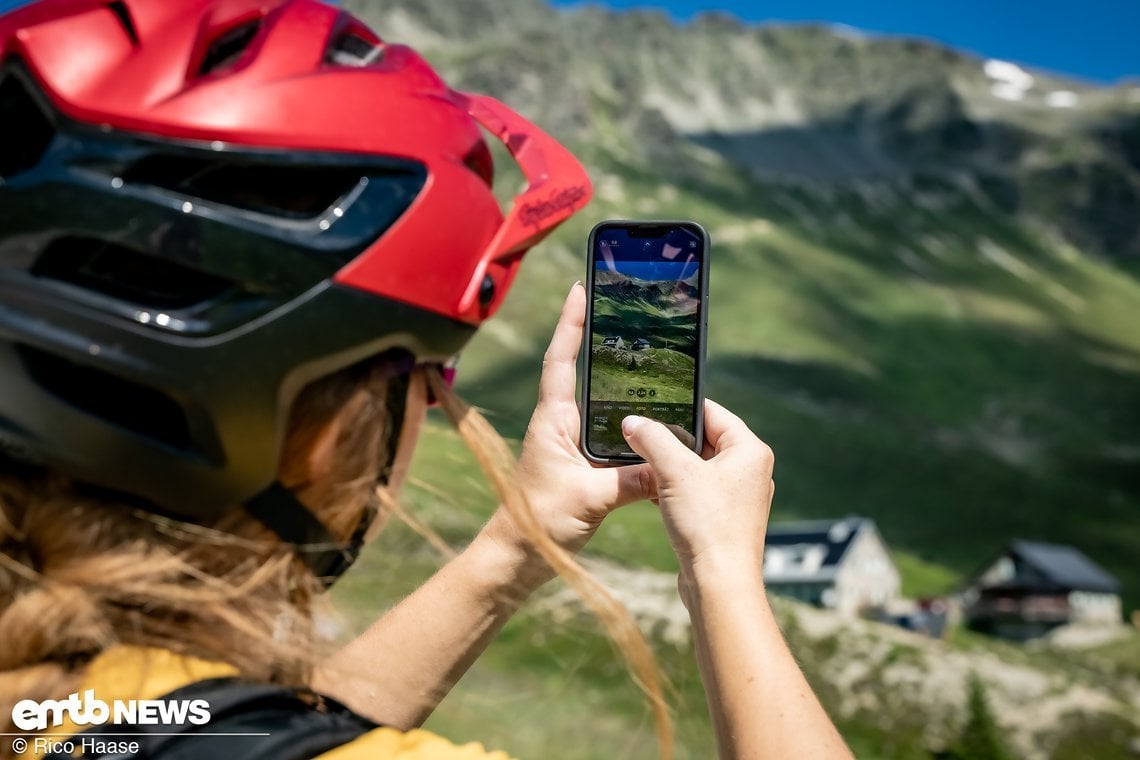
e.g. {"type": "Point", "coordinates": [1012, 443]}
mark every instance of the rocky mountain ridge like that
{"type": "Point", "coordinates": [806, 104]}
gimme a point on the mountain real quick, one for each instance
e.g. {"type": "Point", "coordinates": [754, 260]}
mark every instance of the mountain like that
{"type": "Point", "coordinates": [925, 268]}
{"type": "Point", "coordinates": [800, 103]}
{"type": "Point", "coordinates": [668, 298]}
{"type": "Point", "coordinates": [925, 264]}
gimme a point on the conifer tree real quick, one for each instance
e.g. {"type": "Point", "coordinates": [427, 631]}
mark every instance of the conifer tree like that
{"type": "Point", "coordinates": [981, 737]}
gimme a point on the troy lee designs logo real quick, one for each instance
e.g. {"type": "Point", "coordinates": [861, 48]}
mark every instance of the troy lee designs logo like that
{"type": "Point", "coordinates": [30, 715]}
{"type": "Point", "coordinates": [532, 214]}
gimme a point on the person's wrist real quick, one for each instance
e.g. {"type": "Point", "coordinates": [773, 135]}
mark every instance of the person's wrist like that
{"type": "Point", "coordinates": [723, 571]}
{"type": "Point", "coordinates": [508, 558]}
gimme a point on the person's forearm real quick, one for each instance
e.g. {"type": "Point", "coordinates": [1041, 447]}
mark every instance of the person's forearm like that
{"type": "Point", "coordinates": [404, 664]}
{"type": "Point", "coordinates": [760, 703]}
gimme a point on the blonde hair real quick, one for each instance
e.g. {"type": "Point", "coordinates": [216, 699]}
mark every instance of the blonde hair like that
{"type": "Point", "coordinates": [498, 464]}
{"type": "Point", "coordinates": [80, 573]}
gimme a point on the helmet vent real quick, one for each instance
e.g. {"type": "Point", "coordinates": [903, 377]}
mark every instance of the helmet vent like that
{"type": "Point", "coordinates": [297, 191]}
{"type": "Point", "coordinates": [120, 10]}
{"type": "Point", "coordinates": [479, 160]}
{"type": "Point", "coordinates": [139, 408]}
{"type": "Point", "coordinates": [225, 51]}
{"type": "Point", "coordinates": [351, 49]}
{"type": "Point", "coordinates": [27, 129]}
{"type": "Point", "coordinates": [125, 275]}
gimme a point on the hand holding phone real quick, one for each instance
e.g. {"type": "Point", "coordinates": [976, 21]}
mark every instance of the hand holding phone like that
{"type": "Point", "coordinates": [644, 343]}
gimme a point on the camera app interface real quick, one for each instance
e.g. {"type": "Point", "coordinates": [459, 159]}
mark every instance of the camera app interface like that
{"type": "Point", "coordinates": [644, 333]}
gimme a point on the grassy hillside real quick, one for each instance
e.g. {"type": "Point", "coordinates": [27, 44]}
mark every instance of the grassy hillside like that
{"type": "Point", "coordinates": [954, 375]}
{"type": "Point", "coordinates": [957, 375]}
{"type": "Point", "coordinates": [925, 297]}
{"type": "Point", "coordinates": [552, 680]}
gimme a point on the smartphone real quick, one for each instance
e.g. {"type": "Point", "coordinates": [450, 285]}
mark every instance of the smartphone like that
{"type": "Point", "coordinates": [644, 342]}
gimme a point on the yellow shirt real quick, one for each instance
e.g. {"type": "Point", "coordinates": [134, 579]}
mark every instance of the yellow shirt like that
{"type": "Point", "coordinates": [128, 673]}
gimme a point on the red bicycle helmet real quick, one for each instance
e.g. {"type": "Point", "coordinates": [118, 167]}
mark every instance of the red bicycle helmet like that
{"type": "Point", "coordinates": [205, 205]}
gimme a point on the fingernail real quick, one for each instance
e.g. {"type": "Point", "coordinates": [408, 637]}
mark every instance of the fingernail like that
{"type": "Point", "coordinates": [576, 284]}
{"type": "Point", "coordinates": [631, 423]}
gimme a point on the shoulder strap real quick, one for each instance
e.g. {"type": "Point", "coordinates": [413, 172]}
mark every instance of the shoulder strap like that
{"type": "Point", "coordinates": [248, 721]}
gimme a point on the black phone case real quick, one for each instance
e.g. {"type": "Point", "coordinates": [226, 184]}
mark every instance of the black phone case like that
{"type": "Point", "coordinates": [702, 330]}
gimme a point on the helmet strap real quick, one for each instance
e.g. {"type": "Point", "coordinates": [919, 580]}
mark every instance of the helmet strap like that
{"type": "Point", "coordinates": [283, 513]}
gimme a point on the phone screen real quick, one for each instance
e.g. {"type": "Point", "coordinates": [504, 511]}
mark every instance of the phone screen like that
{"type": "Point", "coordinates": [646, 317]}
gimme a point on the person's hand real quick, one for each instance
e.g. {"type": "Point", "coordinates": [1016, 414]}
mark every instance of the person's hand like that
{"type": "Point", "coordinates": [716, 511]}
{"type": "Point", "coordinates": [569, 495]}
{"type": "Point", "coordinates": [715, 505]}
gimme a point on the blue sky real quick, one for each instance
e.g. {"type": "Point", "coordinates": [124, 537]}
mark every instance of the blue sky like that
{"type": "Point", "coordinates": [1097, 40]}
{"type": "Point", "coordinates": [644, 261]}
{"type": "Point", "coordinates": [652, 271]}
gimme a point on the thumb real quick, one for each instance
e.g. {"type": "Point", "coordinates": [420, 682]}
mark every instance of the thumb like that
{"type": "Point", "coordinates": [635, 482]}
{"type": "Point", "coordinates": [656, 445]}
